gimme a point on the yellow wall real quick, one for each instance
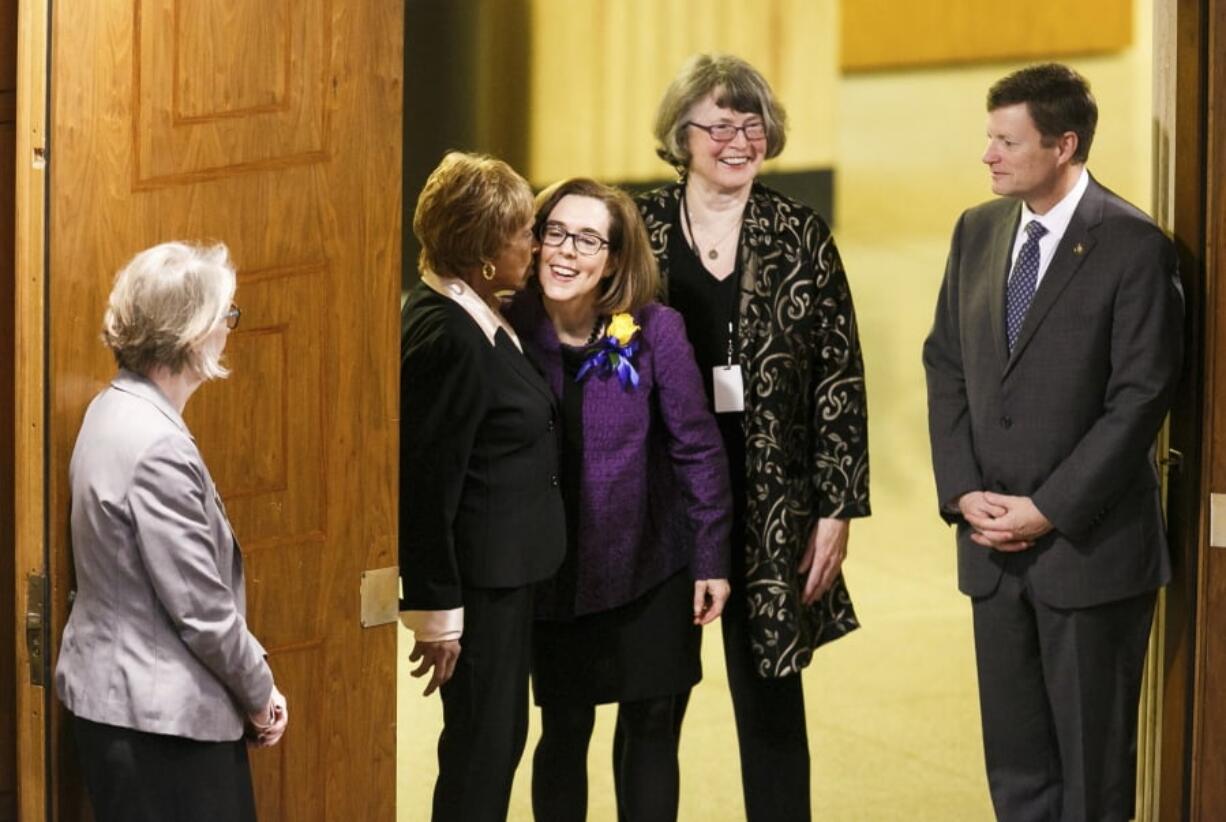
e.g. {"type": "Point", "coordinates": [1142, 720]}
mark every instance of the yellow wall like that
{"type": "Point", "coordinates": [598, 70]}
{"type": "Point", "coordinates": [890, 34]}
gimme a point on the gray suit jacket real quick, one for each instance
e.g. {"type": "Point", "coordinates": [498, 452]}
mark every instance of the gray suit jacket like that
{"type": "Point", "coordinates": [1069, 419]}
{"type": "Point", "coordinates": [157, 638]}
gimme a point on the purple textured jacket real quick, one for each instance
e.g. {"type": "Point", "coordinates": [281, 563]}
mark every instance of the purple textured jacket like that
{"type": "Point", "coordinates": [654, 495]}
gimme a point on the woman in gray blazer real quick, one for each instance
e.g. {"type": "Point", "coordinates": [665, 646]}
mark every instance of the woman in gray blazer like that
{"type": "Point", "coordinates": [157, 666]}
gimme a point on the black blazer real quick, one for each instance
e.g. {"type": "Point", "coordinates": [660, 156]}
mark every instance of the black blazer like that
{"type": "Point", "coordinates": [479, 498]}
{"type": "Point", "coordinates": [1069, 419]}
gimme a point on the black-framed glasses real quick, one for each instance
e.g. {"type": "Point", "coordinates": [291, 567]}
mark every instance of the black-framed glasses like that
{"type": "Point", "coordinates": [587, 243]}
{"type": "Point", "coordinates": [724, 132]}
{"type": "Point", "coordinates": [232, 317]}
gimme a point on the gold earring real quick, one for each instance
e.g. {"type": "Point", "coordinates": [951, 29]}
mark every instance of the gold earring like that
{"type": "Point", "coordinates": [487, 270]}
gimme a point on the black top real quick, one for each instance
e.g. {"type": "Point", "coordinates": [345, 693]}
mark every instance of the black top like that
{"type": "Point", "coordinates": [563, 583]}
{"type": "Point", "coordinates": [709, 307]}
{"type": "Point", "coordinates": [572, 438]}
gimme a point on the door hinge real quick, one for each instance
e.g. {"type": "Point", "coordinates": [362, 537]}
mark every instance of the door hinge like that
{"type": "Point", "coordinates": [36, 627]}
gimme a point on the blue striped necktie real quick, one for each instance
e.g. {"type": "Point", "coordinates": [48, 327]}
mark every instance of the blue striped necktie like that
{"type": "Point", "coordinates": [1022, 282]}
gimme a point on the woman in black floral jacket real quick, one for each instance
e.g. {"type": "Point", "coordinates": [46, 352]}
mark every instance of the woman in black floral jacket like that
{"type": "Point", "coordinates": [766, 304]}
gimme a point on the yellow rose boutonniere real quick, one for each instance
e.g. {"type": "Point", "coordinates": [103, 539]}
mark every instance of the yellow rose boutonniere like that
{"type": "Point", "coordinates": [622, 327]}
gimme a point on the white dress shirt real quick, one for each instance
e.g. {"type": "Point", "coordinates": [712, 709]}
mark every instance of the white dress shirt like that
{"type": "Point", "coordinates": [1056, 222]}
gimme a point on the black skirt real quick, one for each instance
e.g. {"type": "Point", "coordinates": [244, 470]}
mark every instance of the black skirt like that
{"type": "Point", "coordinates": [134, 776]}
{"type": "Point", "coordinates": [646, 648]}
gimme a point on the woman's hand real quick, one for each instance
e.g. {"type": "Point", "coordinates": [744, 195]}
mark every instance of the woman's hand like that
{"type": "Point", "coordinates": [270, 723]}
{"type": "Point", "coordinates": [709, 598]}
{"type": "Point", "coordinates": [439, 656]}
{"type": "Point", "coordinates": [824, 555]}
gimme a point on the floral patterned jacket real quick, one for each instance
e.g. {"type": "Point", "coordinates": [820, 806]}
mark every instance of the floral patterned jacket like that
{"type": "Point", "coordinates": [806, 425]}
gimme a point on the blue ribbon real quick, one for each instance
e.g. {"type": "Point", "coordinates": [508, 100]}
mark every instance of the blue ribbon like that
{"type": "Point", "coordinates": [608, 357]}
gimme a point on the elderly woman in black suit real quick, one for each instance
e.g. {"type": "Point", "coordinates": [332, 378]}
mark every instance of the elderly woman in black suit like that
{"type": "Point", "coordinates": [481, 515]}
{"type": "Point", "coordinates": [767, 308]}
{"type": "Point", "coordinates": [157, 666]}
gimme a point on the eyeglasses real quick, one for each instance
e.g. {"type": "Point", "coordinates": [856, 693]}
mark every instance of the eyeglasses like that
{"type": "Point", "coordinates": [724, 132]}
{"type": "Point", "coordinates": [232, 316]}
{"type": "Point", "coordinates": [587, 243]}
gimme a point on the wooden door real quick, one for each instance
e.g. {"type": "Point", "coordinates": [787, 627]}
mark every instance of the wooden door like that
{"type": "Point", "coordinates": [1207, 783]}
{"type": "Point", "coordinates": [8, 622]}
{"type": "Point", "coordinates": [1190, 124]}
{"type": "Point", "coordinates": [274, 126]}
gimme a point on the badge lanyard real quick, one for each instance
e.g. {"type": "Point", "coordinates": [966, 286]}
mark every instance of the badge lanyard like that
{"type": "Point", "coordinates": [728, 388]}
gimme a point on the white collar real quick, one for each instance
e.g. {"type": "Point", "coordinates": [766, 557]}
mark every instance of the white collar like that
{"type": "Point", "coordinates": [1058, 217]}
{"type": "Point", "coordinates": [486, 318]}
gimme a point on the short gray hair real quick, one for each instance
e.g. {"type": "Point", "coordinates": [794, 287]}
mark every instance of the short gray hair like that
{"type": "Point", "coordinates": [739, 86]}
{"type": "Point", "coordinates": [163, 305]}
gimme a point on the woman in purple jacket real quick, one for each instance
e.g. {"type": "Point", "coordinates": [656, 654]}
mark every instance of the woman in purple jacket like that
{"type": "Point", "coordinates": [645, 484]}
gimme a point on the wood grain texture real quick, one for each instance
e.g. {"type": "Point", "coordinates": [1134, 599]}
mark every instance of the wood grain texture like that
{"type": "Point", "coordinates": [886, 34]}
{"type": "Point", "coordinates": [229, 89]}
{"type": "Point", "coordinates": [29, 386]}
{"type": "Point", "coordinates": [1179, 148]}
{"type": "Point", "coordinates": [1178, 208]}
{"type": "Point", "coordinates": [174, 120]}
{"type": "Point", "coordinates": [1208, 772]}
{"type": "Point", "coordinates": [8, 579]}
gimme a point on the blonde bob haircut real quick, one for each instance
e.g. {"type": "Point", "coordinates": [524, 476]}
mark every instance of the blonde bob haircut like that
{"type": "Point", "coordinates": [736, 85]}
{"type": "Point", "coordinates": [164, 304]}
{"type": "Point", "coordinates": [469, 209]}
{"type": "Point", "coordinates": [634, 278]}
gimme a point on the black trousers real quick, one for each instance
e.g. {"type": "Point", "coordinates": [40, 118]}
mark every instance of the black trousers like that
{"type": "Point", "coordinates": [1058, 694]}
{"type": "Point", "coordinates": [770, 726]}
{"type": "Point", "coordinates": [770, 723]}
{"type": "Point", "coordinates": [134, 776]}
{"type": "Point", "coordinates": [485, 708]}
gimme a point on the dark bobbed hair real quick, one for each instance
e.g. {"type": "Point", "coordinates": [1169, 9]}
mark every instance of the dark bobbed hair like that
{"type": "Point", "coordinates": [634, 280]}
{"type": "Point", "coordinates": [1058, 99]}
{"type": "Point", "coordinates": [737, 85]}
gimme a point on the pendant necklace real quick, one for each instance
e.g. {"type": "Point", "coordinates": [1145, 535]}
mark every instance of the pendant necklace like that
{"type": "Point", "coordinates": [712, 252]}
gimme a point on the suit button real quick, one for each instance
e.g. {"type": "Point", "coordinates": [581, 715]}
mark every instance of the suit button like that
{"type": "Point", "coordinates": [1006, 422]}
{"type": "Point", "coordinates": [549, 425]}
{"type": "Point", "coordinates": [553, 480]}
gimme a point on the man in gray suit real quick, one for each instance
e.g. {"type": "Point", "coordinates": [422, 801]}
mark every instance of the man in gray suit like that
{"type": "Point", "coordinates": [1051, 364]}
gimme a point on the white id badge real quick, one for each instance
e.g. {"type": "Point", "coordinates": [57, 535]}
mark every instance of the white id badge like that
{"type": "Point", "coordinates": [729, 391]}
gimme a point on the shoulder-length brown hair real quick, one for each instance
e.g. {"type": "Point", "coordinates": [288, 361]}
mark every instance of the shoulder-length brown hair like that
{"type": "Point", "coordinates": [634, 278]}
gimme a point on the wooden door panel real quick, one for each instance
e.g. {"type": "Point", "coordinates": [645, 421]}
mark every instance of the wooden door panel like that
{"type": "Point", "coordinates": [273, 126]}
{"type": "Point", "coordinates": [229, 86]}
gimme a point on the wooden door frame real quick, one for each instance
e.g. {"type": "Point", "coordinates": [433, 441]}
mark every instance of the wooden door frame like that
{"type": "Point", "coordinates": [1197, 709]}
{"type": "Point", "coordinates": [1192, 151]}
{"type": "Point", "coordinates": [30, 392]}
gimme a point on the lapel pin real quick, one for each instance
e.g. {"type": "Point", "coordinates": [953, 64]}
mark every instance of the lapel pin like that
{"type": "Point", "coordinates": [1079, 249]}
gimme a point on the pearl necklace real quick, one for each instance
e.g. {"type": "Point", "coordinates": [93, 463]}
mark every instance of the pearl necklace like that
{"type": "Point", "coordinates": [595, 335]}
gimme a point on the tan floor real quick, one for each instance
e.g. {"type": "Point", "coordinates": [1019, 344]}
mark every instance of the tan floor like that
{"type": "Point", "coordinates": [893, 719]}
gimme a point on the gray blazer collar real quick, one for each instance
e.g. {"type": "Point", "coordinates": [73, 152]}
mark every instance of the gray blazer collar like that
{"type": "Point", "coordinates": [141, 386]}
